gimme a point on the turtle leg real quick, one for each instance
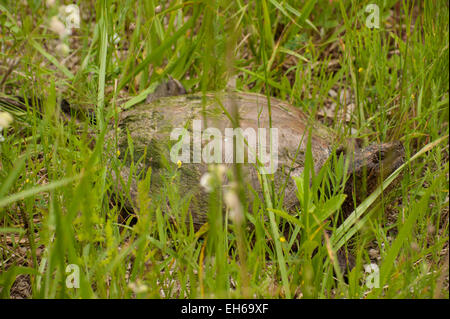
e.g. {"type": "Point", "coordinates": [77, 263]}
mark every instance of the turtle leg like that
{"type": "Point", "coordinates": [171, 87]}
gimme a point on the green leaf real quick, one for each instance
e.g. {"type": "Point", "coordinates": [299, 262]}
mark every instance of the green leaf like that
{"type": "Point", "coordinates": [330, 206]}
{"type": "Point", "coordinates": [36, 190]}
{"type": "Point", "coordinates": [52, 59]}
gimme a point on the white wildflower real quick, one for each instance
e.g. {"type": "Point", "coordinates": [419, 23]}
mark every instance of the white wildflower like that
{"type": "Point", "coordinates": [5, 120]}
{"type": "Point", "coordinates": [205, 182]}
{"type": "Point", "coordinates": [58, 27]}
{"type": "Point", "coordinates": [220, 171]}
{"type": "Point", "coordinates": [138, 287]}
{"type": "Point", "coordinates": [215, 174]}
{"type": "Point", "coordinates": [71, 15]}
{"type": "Point", "coordinates": [231, 199]}
{"type": "Point", "coordinates": [62, 49]}
{"type": "Point", "coordinates": [116, 39]}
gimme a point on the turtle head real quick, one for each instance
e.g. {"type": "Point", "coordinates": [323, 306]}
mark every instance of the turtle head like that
{"type": "Point", "coordinates": [369, 167]}
{"type": "Point", "coordinates": [169, 87]}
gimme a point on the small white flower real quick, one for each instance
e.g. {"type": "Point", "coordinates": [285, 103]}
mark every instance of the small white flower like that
{"type": "Point", "coordinates": [71, 16]}
{"type": "Point", "coordinates": [62, 49]}
{"type": "Point", "coordinates": [138, 287]}
{"type": "Point", "coordinates": [116, 39]}
{"type": "Point", "coordinates": [231, 199]}
{"type": "Point", "coordinates": [5, 119]}
{"type": "Point", "coordinates": [58, 27]}
{"type": "Point", "coordinates": [50, 3]}
{"type": "Point", "coordinates": [216, 173]}
{"type": "Point", "coordinates": [220, 171]}
{"type": "Point", "coordinates": [205, 182]}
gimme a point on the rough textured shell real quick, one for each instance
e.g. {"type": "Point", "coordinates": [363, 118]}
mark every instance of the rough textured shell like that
{"type": "Point", "coordinates": [147, 127]}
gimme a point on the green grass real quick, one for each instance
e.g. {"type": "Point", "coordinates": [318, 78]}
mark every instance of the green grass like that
{"type": "Point", "coordinates": [55, 206]}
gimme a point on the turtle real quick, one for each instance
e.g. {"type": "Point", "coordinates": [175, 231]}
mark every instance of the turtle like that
{"type": "Point", "coordinates": [140, 142]}
{"type": "Point", "coordinates": [144, 138]}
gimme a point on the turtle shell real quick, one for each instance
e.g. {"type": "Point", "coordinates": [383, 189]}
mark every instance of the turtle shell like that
{"type": "Point", "coordinates": [142, 140]}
